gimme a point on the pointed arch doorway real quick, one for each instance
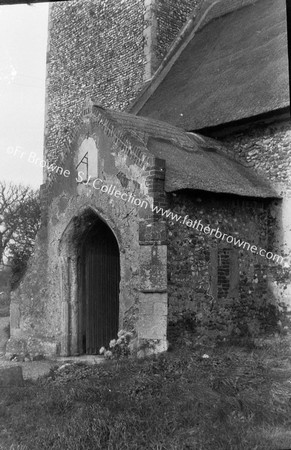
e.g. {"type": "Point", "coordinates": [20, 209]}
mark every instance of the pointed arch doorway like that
{"type": "Point", "coordinates": [99, 287]}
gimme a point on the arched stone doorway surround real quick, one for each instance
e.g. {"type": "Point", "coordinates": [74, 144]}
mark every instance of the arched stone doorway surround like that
{"type": "Point", "coordinates": [70, 276]}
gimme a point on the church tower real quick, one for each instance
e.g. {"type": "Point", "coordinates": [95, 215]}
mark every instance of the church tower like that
{"type": "Point", "coordinates": [107, 50]}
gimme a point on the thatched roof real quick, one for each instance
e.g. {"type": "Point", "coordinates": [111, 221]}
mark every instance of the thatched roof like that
{"type": "Point", "coordinates": [235, 67]}
{"type": "Point", "coordinates": [192, 161]}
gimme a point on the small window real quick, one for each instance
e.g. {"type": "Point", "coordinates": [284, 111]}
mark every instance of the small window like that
{"type": "Point", "coordinates": [224, 272]}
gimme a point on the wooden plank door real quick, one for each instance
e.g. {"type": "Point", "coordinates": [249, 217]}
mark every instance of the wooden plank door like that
{"type": "Point", "coordinates": [100, 288]}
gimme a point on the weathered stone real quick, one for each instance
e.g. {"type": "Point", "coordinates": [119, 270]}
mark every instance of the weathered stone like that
{"type": "Point", "coordinates": [152, 323]}
{"type": "Point", "coordinates": [11, 376]}
{"type": "Point", "coordinates": [113, 48]}
{"type": "Point", "coordinates": [153, 264]}
{"type": "Point", "coordinates": [49, 302]}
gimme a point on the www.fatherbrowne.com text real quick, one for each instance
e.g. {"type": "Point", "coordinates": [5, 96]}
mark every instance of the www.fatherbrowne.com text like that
{"type": "Point", "coordinates": [101, 185]}
{"type": "Point", "coordinates": [196, 224]}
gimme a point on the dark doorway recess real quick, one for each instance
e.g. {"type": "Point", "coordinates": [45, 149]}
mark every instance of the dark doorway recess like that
{"type": "Point", "coordinates": [100, 277]}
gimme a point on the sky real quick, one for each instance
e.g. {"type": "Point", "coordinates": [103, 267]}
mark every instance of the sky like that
{"type": "Point", "coordinates": [23, 45]}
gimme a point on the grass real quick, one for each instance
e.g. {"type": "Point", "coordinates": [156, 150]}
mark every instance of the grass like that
{"type": "Point", "coordinates": [235, 399]}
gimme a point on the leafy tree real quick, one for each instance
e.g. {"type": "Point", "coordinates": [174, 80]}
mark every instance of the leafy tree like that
{"type": "Point", "coordinates": [19, 223]}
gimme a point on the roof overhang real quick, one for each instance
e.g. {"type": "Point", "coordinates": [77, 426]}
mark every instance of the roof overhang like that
{"type": "Point", "coordinates": [192, 161]}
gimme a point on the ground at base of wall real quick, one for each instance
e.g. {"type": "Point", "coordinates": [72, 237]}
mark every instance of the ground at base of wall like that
{"type": "Point", "coordinates": [212, 398]}
{"type": "Point", "coordinates": [32, 370]}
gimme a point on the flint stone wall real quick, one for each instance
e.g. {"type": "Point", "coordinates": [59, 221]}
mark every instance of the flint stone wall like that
{"type": "Point", "coordinates": [266, 148]}
{"type": "Point", "coordinates": [101, 49]}
{"type": "Point", "coordinates": [201, 266]}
